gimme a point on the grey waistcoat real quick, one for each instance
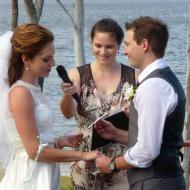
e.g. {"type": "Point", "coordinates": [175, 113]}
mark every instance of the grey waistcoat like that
{"type": "Point", "coordinates": [167, 163]}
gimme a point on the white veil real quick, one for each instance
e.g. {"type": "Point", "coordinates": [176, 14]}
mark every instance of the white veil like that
{"type": "Point", "coordinates": [5, 51]}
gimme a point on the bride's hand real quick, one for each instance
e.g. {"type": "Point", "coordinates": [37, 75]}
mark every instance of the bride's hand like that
{"type": "Point", "coordinates": [92, 155]}
{"type": "Point", "coordinates": [72, 140]}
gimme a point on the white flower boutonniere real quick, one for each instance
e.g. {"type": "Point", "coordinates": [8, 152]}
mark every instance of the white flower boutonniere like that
{"type": "Point", "coordinates": [130, 93]}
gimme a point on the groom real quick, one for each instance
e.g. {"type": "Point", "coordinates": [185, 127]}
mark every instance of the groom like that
{"type": "Point", "coordinates": [156, 114]}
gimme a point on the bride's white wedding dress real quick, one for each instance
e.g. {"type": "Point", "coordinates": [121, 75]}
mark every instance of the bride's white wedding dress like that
{"type": "Point", "coordinates": [23, 173]}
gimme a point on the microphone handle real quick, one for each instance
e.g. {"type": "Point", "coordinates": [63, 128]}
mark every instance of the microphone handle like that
{"type": "Point", "coordinates": [66, 79]}
{"type": "Point", "coordinates": [76, 97]}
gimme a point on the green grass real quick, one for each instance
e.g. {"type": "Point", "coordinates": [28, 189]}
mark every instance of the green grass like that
{"type": "Point", "coordinates": [66, 183]}
{"type": "Point", "coordinates": [1, 174]}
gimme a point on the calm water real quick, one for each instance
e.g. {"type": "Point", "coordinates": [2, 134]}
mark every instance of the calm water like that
{"type": "Point", "coordinates": [173, 12]}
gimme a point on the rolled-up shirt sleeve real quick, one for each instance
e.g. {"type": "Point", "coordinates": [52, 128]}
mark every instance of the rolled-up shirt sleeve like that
{"type": "Point", "coordinates": [154, 100]}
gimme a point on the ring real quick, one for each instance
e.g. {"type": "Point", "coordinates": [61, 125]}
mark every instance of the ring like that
{"type": "Point", "coordinates": [65, 90]}
{"type": "Point", "coordinates": [62, 88]}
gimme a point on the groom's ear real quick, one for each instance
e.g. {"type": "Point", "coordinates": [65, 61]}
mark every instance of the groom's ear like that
{"type": "Point", "coordinates": [145, 45]}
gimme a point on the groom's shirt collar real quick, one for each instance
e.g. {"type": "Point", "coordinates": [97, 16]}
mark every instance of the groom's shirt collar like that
{"type": "Point", "coordinates": [157, 64]}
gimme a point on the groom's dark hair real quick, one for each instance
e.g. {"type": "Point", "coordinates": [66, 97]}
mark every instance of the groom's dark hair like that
{"type": "Point", "coordinates": [152, 29]}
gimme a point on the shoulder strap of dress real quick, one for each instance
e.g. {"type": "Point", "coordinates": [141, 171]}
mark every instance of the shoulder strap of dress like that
{"type": "Point", "coordinates": [14, 85]}
{"type": "Point", "coordinates": [128, 74]}
{"type": "Point", "coordinates": [33, 93]}
{"type": "Point", "coordinates": [19, 84]}
{"type": "Point", "coordinates": [85, 73]}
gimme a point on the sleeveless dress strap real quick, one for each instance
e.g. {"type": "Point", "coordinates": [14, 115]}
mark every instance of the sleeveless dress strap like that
{"type": "Point", "coordinates": [34, 90]}
{"type": "Point", "coordinates": [85, 73]}
{"type": "Point", "coordinates": [127, 74]}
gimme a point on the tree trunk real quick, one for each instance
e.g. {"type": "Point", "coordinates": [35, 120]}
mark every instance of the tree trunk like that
{"type": "Point", "coordinates": [31, 11]}
{"type": "Point", "coordinates": [78, 24]}
{"type": "Point", "coordinates": [39, 8]}
{"type": "Point", "coordinates": [186, 162]}
{"type": "Point", "coordinates": [34, 13]}
{"type": "Point", "coordinates": [14, 14]}
{"type": "Point", "coordinates": [79, 33]}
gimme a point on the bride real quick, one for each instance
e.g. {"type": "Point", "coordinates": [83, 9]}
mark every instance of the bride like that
{"type": "Point", "coordinates": [28, 147]}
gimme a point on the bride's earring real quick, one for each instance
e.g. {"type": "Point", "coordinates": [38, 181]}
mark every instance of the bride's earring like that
{"type": "Point", "coordinates": [26, 68]}
{"type": "Point", "coordinates": [24, 59]}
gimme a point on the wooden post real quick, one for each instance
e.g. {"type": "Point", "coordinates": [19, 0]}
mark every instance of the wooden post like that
{"type": "Point", "coordinates": [186, 143]}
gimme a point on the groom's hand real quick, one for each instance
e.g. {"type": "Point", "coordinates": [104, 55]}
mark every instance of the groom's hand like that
{"type": "Point", "coordinates": [102, 163]}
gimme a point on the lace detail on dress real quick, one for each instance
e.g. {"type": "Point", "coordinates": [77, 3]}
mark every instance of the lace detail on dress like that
{"type": "Point", "coordinates": [35, 90]}
{"type": "Point", "coordinates": [35, 175]}
{"type": "Point", "coordinates": [43, 112]}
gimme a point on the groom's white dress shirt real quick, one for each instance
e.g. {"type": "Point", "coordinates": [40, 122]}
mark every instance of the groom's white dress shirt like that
{"type": "Point", "coordinates": [154, 100]}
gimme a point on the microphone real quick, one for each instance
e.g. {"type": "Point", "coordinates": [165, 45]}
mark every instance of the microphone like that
{"type": "Point", "coordinates": [64, 76]}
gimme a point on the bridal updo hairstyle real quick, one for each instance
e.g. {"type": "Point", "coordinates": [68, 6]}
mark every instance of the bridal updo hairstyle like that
{"type": "Point", "coordinates": [29, 40]}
